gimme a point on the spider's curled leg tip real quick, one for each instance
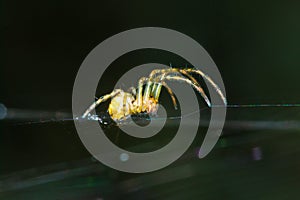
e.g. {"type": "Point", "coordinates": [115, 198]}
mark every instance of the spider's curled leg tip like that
{"type": "Point", "coordinates": [225, 102]}
{"type": "Point", "coordinates": [208, 104]}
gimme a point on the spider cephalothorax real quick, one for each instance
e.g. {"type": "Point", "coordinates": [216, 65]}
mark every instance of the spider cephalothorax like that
{"type": "Point", "coordinates": [145, 99]}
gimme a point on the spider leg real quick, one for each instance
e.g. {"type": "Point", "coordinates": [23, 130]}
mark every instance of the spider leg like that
{"type": "Point", "coordinates": [171, 94]}
{"type": "Point", "coordinates": [147, 89]}
{"type": "Point", "coordinates": [215, 86]}
{"type": "Point", "coordinates": [186, 73]}
{"type": "Point", "coordinates": [188, 81]}
{"type": "Point", "coordinates": [100, 100]}
{"type": "Point", "coordinates": [132, 91]}
{"type": "Point", "coordinates": [165, 72]}
{"type": "Point", "coordinates": [179, 71]}
{"type": "Point", "coordinates": [156, 89]}
{"type": "Point", "coordinates": [173, 70]}
{"type": "Point", "coordinates": [139, 94]}
{"type": "Point", "coordinates": [155, 72]}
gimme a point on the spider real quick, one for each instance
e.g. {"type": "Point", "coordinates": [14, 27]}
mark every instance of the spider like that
{"type": "Point", "coordinates": [145, 99]}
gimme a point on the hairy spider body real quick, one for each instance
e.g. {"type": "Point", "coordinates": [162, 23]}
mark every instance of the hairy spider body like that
{"type": "Point", "coordinates": [144, 98]}
{"type": "Point", "coordinates": [121, 105]}
{"type": "Point", "coordinates": [124, 104]}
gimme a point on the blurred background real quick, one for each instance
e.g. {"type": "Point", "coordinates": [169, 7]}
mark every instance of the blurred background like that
{"type": "Point", "coordinates": [255, 45]}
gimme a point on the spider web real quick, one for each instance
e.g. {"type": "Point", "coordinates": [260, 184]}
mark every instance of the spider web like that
{"type": "Point", "coordinates": [239, 116]}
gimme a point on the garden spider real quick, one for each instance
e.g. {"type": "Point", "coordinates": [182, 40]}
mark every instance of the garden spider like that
{"type": "Point", "coordinates": [125, 104]}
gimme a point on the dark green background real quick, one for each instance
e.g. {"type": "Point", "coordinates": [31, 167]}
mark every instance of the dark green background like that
{"type": "Point", "coordinates": [255, 45]}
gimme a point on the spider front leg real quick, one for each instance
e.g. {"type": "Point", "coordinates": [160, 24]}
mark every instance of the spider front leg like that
{"type": "Point", "coordinates": [100, 100]}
